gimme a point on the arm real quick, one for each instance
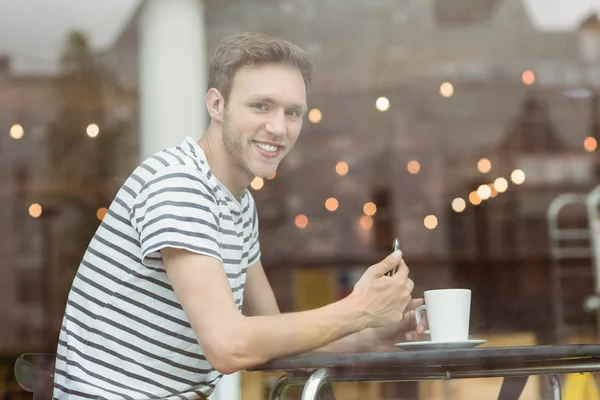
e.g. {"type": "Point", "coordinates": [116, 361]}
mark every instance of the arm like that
{"type": "Point", "coordinates": [259, 299]}
{"type": "Point", "coordinates": [231, 341]}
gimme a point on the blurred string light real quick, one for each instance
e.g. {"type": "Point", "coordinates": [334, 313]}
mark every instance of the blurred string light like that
{"type": "Point", "coordinates": [484, 165]}
{"type": "Point", "coordinates": [484, 192]}
{"type": "Point", "coordinates": [301, 221]}
{"type": "Point", "coordinates": [382, 104]}
{"type": "Point", "coordinates": [341, 168]}
{"type": "Point", "coordinates": [488, 191]}
{"type": "Point", "coordinates": [413, 167]}
{"type": "Point", "coordinates": [517, 176]}
{"type": "Point", "coordinates": [35, 210]}
{"type": "Point", "coordinates": [370, 209]}
{"type": "Point", "coordinates": [590, 144]}
{"type": "Point", "coordinates": [257, 183]}
{"type": "Point", "coordinates": [430, 222]}
{"type": "Point", "coordinates": [474, 198]}
{"type": "Point", "coordinates": [16, 131]}
{"type": "Point", "coordinates": [501, 184]}
{"type": "Point", "coordinates": [101, 213]}
{"type": "Point", "coordinates": [92, 130]}
{"type": "Point", "coordinates": [528, 77]}
{"type": "Point", "coordinates": [446, 89]}
{"type": "Point", "coordinates": [315, 115]}
{"type": "Point", "coordinates": [272, 176]}
{"type": "Point", "coordinates": [459, 205]}
{"type": "Point", "coordinates": [331, 204]}
{"type": "Point", "coordinates": [366, 222]}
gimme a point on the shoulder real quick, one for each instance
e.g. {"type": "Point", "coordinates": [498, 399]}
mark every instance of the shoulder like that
{"type": "Point", "coordinates": [173, 188]}
{"type": "Point", "coordinates": [154, 174]}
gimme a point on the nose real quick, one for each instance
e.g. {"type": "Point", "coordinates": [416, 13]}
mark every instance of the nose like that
{"type": "Point", "coordinates": [276, 125]}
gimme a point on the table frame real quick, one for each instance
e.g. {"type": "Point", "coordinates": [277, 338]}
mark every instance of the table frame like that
{"type": "Point", "coordinates": [315, 383]}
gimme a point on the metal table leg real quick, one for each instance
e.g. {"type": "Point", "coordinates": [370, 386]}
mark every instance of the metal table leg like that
{"type": "Point", "coordinates": [281, 384]}
{"type": "Point", "coordinates": [314, 384]}
{"type": "Point", "coordinates": [555, 385]}
{"type": "Point", "coordinates": [512, 388]}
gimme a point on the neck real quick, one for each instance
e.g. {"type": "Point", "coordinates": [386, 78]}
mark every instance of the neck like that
{"type": "Point", "coordinates": [227, 171]}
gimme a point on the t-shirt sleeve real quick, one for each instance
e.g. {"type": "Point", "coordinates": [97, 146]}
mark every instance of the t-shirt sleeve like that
{"type": "Point", "coordinates": [176, 208]}
{"type": "Point", "coordinates": [254, 252]}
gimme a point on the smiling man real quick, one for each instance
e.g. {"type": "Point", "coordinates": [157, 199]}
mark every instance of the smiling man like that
{"type": "Point", "coordinates": [171, 294]}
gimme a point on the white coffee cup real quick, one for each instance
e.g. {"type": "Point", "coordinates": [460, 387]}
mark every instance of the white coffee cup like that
{"type": "Point", "coordinates": [448, 314]}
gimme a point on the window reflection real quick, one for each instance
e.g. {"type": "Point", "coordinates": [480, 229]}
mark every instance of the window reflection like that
{"type": "Point", "coordinates": [451, 124]}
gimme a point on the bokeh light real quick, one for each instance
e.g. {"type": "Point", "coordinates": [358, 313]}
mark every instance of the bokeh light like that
{"type": "Point", "coordinates": [370, 208]}
{"type": "Point", "coordinates": [331, 204]}
{"type": "Point", "coordinates": [301, 221]}
{"type": "Point", "coordinates": [430, 222]}
{"type": "Point", "coordinates": [459, 205]}
{"type": "Point", "coordinates": [257, 183]}
{"type": "Point", "coordinates": [382, 104]}
{"type": "Point", "coordinates": [413, 167]}
{"type": "Point", "coordinates": [315, 116]}
{"type": "Point", "coordinates": [341, 168]}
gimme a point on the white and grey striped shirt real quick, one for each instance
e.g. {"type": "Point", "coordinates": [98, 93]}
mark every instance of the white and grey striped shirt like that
{"type": "Point", "coordinates": [124, 334]}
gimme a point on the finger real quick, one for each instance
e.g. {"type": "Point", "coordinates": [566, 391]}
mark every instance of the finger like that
{"type": "Point", "coordinates": [424, 325]}
{"type": "Point", "coordinates": [414, 303]}
{"type": "Point", "coordinates": [415, 336]}
{"type": "Point", "coordinates": [411, 321]}
{"type": "Point", "coordinates": [387, 264]}
{"type": "Point", "coordinates": [402, 272]}
{"type": "Point", "coordinates": [409, 285]}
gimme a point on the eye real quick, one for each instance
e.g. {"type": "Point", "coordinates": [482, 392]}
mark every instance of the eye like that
{"type": "Point", "coordinates": [293, 113]}
{"type": "Point", "coordinates": [259, 106]}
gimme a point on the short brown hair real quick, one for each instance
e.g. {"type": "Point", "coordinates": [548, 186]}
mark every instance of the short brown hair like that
{"type": "Point", "coordinates": [249, 48]}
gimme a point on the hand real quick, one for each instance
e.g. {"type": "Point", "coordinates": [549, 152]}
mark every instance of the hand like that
{"type": "Point", "coordinates": [384, 298]}
{"type": "Point", "coordinates": [407, 329]}
{"type": "Point", "coordinates": [412, 331]}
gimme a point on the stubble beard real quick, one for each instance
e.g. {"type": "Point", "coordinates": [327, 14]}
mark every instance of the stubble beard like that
{"type": "Point", "coordinates": [232, 141]}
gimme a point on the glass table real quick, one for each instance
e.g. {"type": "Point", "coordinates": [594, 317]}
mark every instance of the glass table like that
{"type": "Point", "coordinates": [514, 364]}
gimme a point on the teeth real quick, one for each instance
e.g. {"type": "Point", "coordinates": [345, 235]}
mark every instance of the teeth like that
{"type": "Point", "coordinates": [267, 147]}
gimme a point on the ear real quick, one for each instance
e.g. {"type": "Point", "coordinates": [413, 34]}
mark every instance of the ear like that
{"type": "Point", "coordinates": [215, 104]}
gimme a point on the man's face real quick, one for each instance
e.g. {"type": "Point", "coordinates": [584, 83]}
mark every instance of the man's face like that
{"type": "Point", "coordinates": [263, 116]}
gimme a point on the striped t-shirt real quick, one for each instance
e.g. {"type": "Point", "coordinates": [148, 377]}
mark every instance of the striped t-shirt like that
{"type": "Point", "coordinates": [124, 333]}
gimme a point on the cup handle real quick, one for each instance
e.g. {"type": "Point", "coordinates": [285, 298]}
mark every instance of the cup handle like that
{"type": "Point", "coordinates": [419, 315]}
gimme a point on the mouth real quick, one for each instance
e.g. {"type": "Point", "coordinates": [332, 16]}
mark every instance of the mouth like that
{"type": "Point", "coordinates": [266, 149]}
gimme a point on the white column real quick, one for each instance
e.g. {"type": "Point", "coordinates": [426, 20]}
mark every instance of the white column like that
{"type": "Point", "coordinates": [173, 73]}
{"type": "Point", "coordinates": [173, 76]}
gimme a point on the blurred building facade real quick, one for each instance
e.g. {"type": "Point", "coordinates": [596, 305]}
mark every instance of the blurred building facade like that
{"type": "Point", "coordinates": [404, 52]}
{"type": "Point", "coordinates": [464, 80]}
{"type": "Point", "coordinates": [46, 218]}
{"type": "Point", "coordinates": [26, 107]}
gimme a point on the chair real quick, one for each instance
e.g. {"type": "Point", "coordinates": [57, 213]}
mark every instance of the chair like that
{"type": "Point", "coordinates": [35, 373]}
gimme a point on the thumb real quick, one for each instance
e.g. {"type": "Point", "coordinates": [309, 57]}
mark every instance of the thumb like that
{"type": "Point", "coordinates": [388, 263]}
{"type": "Point", "coordinates": [414, 303]}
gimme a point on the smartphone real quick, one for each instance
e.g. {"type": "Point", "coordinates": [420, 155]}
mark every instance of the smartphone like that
{"type": "Point", "coordinates": [395, 246]}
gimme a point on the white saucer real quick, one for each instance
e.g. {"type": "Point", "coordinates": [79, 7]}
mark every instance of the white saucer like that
{"type": "Point", "coordinates": [429, 345]}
